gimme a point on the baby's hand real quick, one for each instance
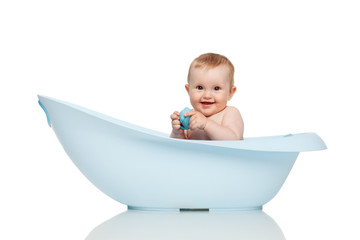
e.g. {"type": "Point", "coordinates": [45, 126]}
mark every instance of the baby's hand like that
{"type": "Point", "coordinates": [197, 120]}
{"type": "Point", "coordinates": [176, 124]}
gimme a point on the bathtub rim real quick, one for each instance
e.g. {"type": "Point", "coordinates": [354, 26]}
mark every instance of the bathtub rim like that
{"type": "Point", "coordinates": [299, 142]}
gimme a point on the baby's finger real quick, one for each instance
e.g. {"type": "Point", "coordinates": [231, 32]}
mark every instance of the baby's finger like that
{"type": "Point", "coordinates": [176, 122]}
{"type": "Point", "coordinates": [176, 127]}
{"type": "Point", "coordinates": [191, 113]}
{"type": "Point", "coordinates": [174, 116]}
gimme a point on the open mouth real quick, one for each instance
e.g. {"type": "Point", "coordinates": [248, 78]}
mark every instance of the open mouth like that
{"type": "Point", "coordinates": [207, 103]}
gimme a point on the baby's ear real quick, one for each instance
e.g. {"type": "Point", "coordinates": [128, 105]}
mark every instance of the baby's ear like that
{"type": "Point", "coordinates": [231, 93]}
{"type": "Point", "coordinates": [187, 87]}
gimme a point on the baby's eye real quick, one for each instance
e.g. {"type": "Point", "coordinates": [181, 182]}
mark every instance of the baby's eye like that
{"type": "Point", "coordinates": [217, 88]}
{"type": "Point", "coordinates": [199, 88]}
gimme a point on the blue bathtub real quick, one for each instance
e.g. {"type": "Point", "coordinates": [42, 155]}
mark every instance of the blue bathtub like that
{"type": "Point", "coordinates": [146, 169]}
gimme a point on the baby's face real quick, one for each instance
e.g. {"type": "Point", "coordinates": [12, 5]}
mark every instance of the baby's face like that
{"type": "Point", "coordinates": [209, 89]}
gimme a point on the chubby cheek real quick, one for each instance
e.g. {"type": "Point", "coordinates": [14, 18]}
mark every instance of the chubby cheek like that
{"type": "Point", "coordinates": [195, 103]}
{"type": "Point", "coordinates": [194, 98]}
{"type": "Point", "coordinates": [221, 99]}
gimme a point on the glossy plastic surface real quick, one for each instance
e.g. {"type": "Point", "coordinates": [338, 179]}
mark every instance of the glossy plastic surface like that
{"type": "Point", "coordinates": [184, 120]}
{"type": "Point", "coordinates": [146, 169]}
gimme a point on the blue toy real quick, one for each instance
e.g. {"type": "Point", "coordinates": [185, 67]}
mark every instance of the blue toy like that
{"type": "Point", "coordinates": [184, 120]}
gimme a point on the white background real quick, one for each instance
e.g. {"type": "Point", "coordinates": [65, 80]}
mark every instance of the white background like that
{"type": "Point", "coordinates": [297, 67]}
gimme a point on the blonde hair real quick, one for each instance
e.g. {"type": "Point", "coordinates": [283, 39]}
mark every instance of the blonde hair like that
{"type": "Point", "coordinates": [212, 60]}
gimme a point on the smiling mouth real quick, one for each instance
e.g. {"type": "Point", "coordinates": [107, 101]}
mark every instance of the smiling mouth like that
{"type": "Point", "coordinates": [207, 103]}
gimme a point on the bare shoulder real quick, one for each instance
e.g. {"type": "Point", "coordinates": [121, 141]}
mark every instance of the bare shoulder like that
{"type": "Point", "coordinates": [233, 120]}
{"type": "Point", "coordinates": [232, 116]}
{"type": "Point", "coordinates": [232, 112]}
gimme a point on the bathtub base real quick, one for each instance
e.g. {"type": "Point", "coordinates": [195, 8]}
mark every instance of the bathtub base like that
{"type": "Point", "coordinates": [194, 209]}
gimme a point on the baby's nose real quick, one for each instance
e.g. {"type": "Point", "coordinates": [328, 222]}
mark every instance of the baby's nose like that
{"type": "Point", "coordinates": [207, 94]}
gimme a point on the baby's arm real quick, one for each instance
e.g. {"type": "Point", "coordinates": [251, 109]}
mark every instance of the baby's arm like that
{"type": "Point", "coordinates": [176, 132]}
{"type": "Point", "coordinates": [231, 128]}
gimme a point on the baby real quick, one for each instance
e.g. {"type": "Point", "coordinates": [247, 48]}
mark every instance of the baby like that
{"type": "Point", "coordinates": [210, 86]}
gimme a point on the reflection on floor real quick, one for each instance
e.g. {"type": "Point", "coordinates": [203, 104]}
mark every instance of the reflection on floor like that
{"type": "Point", "coordinates": [135, 224]}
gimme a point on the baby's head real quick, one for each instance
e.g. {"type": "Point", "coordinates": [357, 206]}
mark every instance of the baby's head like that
{"type": "Point", "coordinates": [210, 83]}
{"type": "Point", "coordinates": [212, 60]}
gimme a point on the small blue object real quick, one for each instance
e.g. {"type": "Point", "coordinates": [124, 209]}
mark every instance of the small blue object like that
{"type": "Point", "coordinates": [289, 135]}
{"type": "Point", "coordinates": [184, 120]}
